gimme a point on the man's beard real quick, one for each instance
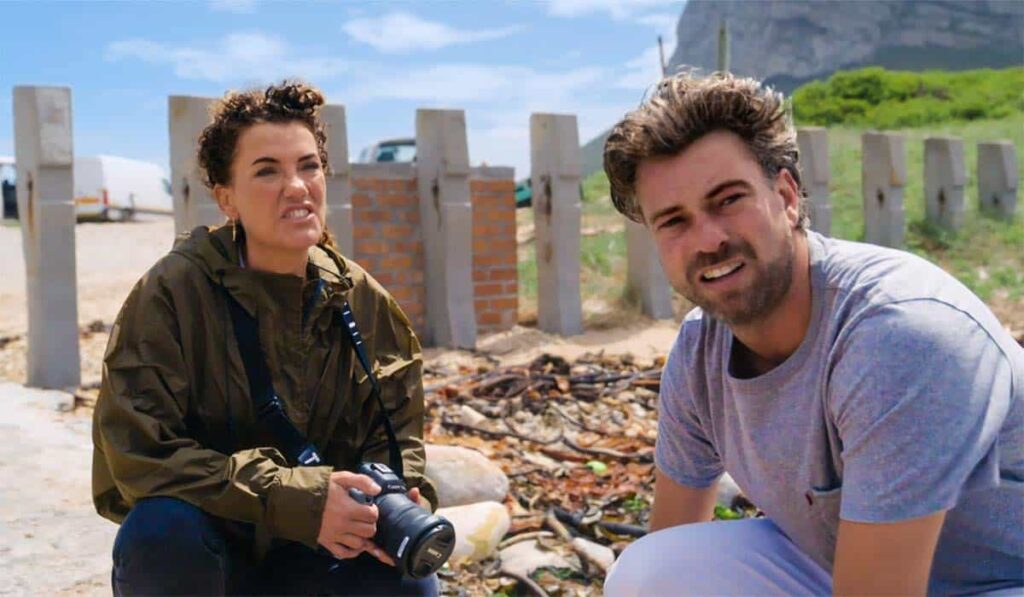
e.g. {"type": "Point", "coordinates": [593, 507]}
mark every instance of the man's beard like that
{"type": "Point", "coordinates": [769, 285]}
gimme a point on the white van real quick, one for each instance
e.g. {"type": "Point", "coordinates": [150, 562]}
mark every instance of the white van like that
{"type": "Point", "coordinates": [113, 188]}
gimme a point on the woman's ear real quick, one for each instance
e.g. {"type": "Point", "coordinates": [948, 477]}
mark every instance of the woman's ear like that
{"type": "Point", "coordinates": [226, 201]}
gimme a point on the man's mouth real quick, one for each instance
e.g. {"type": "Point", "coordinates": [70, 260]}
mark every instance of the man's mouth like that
{"type": "Point", "coordinates": [721, 271]}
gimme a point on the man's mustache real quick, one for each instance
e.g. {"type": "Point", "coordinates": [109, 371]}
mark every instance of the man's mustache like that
{"type": "Point", "coordinates": [728, 250]}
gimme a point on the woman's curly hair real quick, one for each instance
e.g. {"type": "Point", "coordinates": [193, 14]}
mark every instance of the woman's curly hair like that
{"type": "Point", "coordinates": [684, 108]}
{"type": "Point", "coordinates": [289, 101]}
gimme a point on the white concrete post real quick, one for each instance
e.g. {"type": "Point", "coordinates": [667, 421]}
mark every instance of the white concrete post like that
{"type": "Point", "coordinates": [555, 178]}
{"type": "Point", "coordinates": [193, 202]}
{"type": "Point", "coordinates": [944, 180]}
{"type": "Point", "coordinates": [998, 178]}
{"type": "Point", "coordinates": [446, 214]}
{"type": "Point", "coordinates": [44, 156]}
{"type": "Point", "coordinates": [814, 174]}
{"type": "Point", "coordinates": [883, 176]}
{"type": "Point", "coordinates": [339, 181]}
{"type": "Point", "coordinates": [645, 278]}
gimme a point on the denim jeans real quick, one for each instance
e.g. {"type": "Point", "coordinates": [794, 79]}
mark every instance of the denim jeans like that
{"type": "Point", "coordinates": [167, 546]}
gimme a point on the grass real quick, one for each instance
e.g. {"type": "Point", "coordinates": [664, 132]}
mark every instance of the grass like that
{"type": "Point", "coordinates": [986, 254]}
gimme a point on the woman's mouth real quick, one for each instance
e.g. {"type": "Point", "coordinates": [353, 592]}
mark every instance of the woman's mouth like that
{"type": "Point", "coordinates": [297, 214]}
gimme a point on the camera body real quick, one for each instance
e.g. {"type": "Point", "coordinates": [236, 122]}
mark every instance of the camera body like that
{"type": "Point", "coordinates": [419, 542]}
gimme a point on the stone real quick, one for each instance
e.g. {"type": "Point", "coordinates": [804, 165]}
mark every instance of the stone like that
{"type": "Point", "coordinates": [526, 557]}
{"type": "Point", "coordinates": [43, 154]}
{"type": "Point", "coordinates": [464, 476]}
{"type": "Point", "coordinates": [602, 555]}
{"type": "Point", "coordinates": [555, 180]}
{"type": "Point", "coordinates": [944, 180]}
{"type": "Point", "coordinates": [883, 176]}
{"type": "Point", "coordinates": [194, 204]}
{"type": "Point", "coordinates": [645, 279]}
{"type": "Point", "coordinates": [727, 491]}
{"type": "Point", "coordinates": [815, 175]}
{"type": "Point", "coordinates": [479, 528]}
{"type": "Point", "coordinates": [998, 178]}
{"type": "Point", "coordinates": [446, 213]}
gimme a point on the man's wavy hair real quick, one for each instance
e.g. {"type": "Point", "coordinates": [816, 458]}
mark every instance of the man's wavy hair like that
{"type": "Point", "coordinates": [289, 101]}
{"type": "Point", "coordinates": [685, 107]}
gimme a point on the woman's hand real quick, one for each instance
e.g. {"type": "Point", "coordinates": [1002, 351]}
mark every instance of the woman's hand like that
{"type": "Point", "coordinates": [347, 527]}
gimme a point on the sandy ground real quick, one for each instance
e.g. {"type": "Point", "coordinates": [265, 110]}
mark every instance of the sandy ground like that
{"type": "Point", "coordinates": [51, 540]}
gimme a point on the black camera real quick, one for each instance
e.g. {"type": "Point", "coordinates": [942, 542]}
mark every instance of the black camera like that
{"type": "Point", "coordinates": [419, 542]}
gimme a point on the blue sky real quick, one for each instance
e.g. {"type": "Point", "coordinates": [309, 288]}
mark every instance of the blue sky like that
{"type": "Point", "coordinates": [499, 61]}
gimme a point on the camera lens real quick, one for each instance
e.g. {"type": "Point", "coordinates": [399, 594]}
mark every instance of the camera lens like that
{"type": "Point", "coordinates": [419, 542]}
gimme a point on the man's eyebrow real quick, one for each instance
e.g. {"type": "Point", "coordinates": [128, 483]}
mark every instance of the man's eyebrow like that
{"type": "Point", "coordinates": [718, 188]}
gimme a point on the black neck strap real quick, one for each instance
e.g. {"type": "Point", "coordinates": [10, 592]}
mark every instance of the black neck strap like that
{"type": "Point", "coordinates": [269, 409]}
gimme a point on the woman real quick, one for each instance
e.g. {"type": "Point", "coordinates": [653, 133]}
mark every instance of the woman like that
{"type": "Point", "coordinates": [206, 500]}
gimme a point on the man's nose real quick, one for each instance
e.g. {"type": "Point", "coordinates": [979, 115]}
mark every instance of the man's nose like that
{"type": "Point", "coordinates": [710, 236]}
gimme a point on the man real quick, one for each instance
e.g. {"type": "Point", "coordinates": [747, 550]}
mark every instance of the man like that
{"type": "Point", "coordinates": [866, 401]}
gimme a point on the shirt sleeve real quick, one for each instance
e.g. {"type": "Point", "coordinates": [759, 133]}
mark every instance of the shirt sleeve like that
{"type": "Point", "coordinates": [918, 394]}
{"type": "Point", "coordinates": [683, 450]}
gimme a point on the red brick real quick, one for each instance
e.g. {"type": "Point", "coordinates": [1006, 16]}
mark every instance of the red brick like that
{"type": "Point", "coordinates": [378, 215]}
{"type": "Point", "coordinates": [489, 318]}
{"type": "Point", "coordinates": [397, 200]}
{"type": "Point", "coordinates": [480, 275]}
{"type": "Point", "coordinates": [504, 303]}
{"type": "Point", "coordinates": [486, 290]}
{"type": "Point", "coordinates": [408, 246]}
{"type": "Point", "coordinates": [371, 247]}
{"type": "Point", "coordinates": [503, 274]}
{"type": "Point", "coordinates": [364, 232]}
{"type": "Point", "coordinates": [401, 231]}
{"type": "Point", "coordinates": [396, 262]}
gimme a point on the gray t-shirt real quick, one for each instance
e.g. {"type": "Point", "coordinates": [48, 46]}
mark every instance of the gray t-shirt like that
{"type": "Point", "coordinates": [906, 397]}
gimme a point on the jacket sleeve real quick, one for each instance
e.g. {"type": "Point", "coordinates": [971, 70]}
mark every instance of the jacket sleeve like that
{"type": "Point", "coordinates": [400, 374]}
{"type": "Point", "coordinates": [142, 438]}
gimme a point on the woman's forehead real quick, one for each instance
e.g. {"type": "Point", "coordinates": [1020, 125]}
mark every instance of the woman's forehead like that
{"type": "Point", "coordinates": [282, 137]}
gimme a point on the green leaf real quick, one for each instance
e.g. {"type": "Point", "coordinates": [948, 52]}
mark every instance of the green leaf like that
{"type": "Point", "coordinates": [723, 513]}
{"type": "Point", "coordinates": [598, 467]}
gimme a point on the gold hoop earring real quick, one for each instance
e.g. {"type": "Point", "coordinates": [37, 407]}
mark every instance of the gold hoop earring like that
{"type": "Point", "coordinates": [234, 231]}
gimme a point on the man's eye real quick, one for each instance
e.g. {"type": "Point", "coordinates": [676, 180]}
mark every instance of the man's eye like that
{"type": "Point", "coordinates": [669, 222]}
{"type": "Point", "coordinates": [731, 199]}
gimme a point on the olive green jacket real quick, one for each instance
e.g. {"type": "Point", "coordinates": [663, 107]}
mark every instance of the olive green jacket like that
{"type": "Point", "coordinates": [174, 416]}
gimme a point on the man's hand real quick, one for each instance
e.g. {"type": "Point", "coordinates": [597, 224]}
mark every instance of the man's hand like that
{"type": "Point", "coordinates": [347, 526]}
{"type": "Point", "coordinates": [889, 558]}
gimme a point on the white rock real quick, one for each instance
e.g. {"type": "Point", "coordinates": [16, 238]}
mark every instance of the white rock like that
{"type": "Point", "coordinates": [463, 476]}
{"type": "Point", "coordinates": [471, 417]}
{"type": "Point", "coordinates": [525, 557]}
{"type": "Point", "coordinates": [478, 529]}
{"type": "Point", "coordinates": [595, 552]}
{"type": "Point", "coordinates": [727, 491]}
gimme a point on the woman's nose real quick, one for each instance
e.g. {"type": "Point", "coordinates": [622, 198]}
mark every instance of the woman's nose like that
{"type": "Point", "coordinates": [294, 186]}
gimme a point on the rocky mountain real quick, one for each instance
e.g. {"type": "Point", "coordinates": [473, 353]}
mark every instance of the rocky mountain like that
{"type": "Point", "coordinates": [789, 42]}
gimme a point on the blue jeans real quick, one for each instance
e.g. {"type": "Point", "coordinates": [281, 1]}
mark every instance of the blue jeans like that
{"type": "Point", "coordinates": [167, 546]}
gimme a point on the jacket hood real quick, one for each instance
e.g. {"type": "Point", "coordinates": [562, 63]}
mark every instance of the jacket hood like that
{"type": "Point", "coordinates": [217, 255]}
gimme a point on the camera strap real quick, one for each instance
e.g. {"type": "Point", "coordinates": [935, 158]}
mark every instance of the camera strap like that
{"type": "Point", "coordinates": [269, 409]}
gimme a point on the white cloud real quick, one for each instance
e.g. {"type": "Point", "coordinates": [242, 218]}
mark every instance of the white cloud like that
{"type": "Point", "coordinates": [642, 71]}
{"type": "Point", "coordinates": [235, 6]}
{"type": "Point", "coordinates": [238, 57]}
{"type": "Point", "coordinates": [461, 83]}
{"type": "Point", "coordinates": [399, 32]}
{"type": "Point", "coordinates": [619, 10]}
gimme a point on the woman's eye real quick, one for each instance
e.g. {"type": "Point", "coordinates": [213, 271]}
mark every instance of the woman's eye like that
{"type": "Point", "coordinates": [311, 166]}
{"type": "Point", "coordinates": [264, 171]}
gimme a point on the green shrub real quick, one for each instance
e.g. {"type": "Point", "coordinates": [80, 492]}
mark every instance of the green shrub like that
{"type": "Point", "coordinates": [878, 98]}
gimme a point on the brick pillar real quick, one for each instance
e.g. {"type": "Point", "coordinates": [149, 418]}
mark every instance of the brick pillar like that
{"type": "Point", "coordinates": [555, 179]}
{"type": "Point", "coordinates": [442, 172]}
{"type": "Point", "coordinates": [339, 187]}
{"type": "Point", "coordinates": [44, 157]}
{"type": "Point", "coordinates": [193, 203]}
{"type": "Point", "coordinates": [495, 271]}
{"type": "Point", "coordinates": [883, 176]}
{"type": "Point", "coordinates": [944, 179]}
{"type": "Point", "coordinates": [998, 178]}
{"type": "Point", "coordinates": [814, 174]}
